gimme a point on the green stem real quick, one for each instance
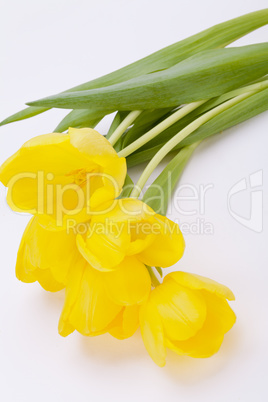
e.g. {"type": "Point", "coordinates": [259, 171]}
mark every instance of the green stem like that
{"type": "Point", "coordinates": [174, 141]}
{"type": "Point", "coordinates": [179, 114]}
{"type": "Point", "coordinates": [159, 270]}
{"type": "Point", "coordinates": [182, 112]}
{"type": "Point", "coordinates": [124, 125]}
{"type": "Point", "coordinates": [155, 281]}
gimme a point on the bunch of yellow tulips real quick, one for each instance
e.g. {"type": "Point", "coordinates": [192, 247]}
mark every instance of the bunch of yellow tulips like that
{"type": "Point", "coordinates": [102, 249]}
{"type": "Point", "coordinates": [90, 232]}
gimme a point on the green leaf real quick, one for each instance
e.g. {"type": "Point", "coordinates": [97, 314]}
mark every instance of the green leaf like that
{"type": "Point", "coordinates": [217, 36]}
{"type": "Point", "coordinates": [24, 114]}
{"type": "Point", "coordinates": [244, 110]}
{"type": "Point", "coordinates": [160, 191]}
{"type": "Point", "coordinates": [203, 76]}
{"type": "Point", "coordinates": [79, 119]}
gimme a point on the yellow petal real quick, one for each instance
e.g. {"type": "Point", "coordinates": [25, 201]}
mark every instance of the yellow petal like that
{"type": "Point", "coordinates": [47, 280]}
{"type": "Point", "coordinates": [220, 319]}
{"type": "Point", "coordinates": [22, 194]}
{"type": "Point", "coordinates": [152, 332]}
{"type": "Point", "coordinates": [126, 323]}
{"type": "Point", "coordinates": [105, 245]}
{"type": "Point", "coordinates": [129, 284]}
{"type": "Point", "coordinates": [127, 210]}
{"type": "Point", "coordinates": [141, 236]}
{"type": "Point", "coordinates": [26, 273]}
{"type": "Point", "coordinates": [64, 328]}
{"type": "Point", "coordinates": [87, 307]}
{"type": "Point", "coordinates": [44, 250]}
{"type": "Point", "coordinates": [183, 311]}
{"type": "Point", "coordinates": [168, 244]}
{"type": "Point", "coordinates": [100, 197]}
{"type": "Point", "coordinates": [193, 281]}
{"type": "Point", "coordinates": [92, 145]}
{"type": "Point", "coordinates": [115, 174]}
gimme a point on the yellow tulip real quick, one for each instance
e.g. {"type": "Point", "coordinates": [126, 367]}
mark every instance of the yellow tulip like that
{"type": "Point", "coordinates": [130, 228]}
{"type": "Point", "coordinates": [188, 314]}
{"type": "Point", "coordinates": [97, 302]}
{"type": "Point", "coordinates": [57, 176]}
{"type": "Point", "coordinates": [52, 259]}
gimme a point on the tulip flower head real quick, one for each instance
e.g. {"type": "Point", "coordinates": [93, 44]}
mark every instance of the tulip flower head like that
{"type": "Point", "coordinates": [188, 314]}
{"type": "Point", "coordinates": [130, 228]}
{"type": "Point", "coordinates": [91, 309]}
{"type": "Point", "coordinates": [56, 176]}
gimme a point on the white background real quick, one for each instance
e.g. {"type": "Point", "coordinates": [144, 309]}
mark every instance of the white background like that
{"type": "Point", "coordinates": [46, 47]}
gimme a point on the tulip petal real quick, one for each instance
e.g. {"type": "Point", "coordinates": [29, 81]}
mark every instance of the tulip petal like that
{"type": "Point", "coordinates": [26, 273]}
{"type": "Point", "coordinates": [92, 145]}
{"type": "Point", "coordinates": [127, 210]}
{"type": "Point", "coordinates": [220, 319]}
{"type": "Point", "coordinates": [129, 284]}
{"type": "Point", "coordinates": [47, 280]}
{"type": "Point", "coordinates": [64, 328]}
{"type": "Point", "coordinates": [99, 150]}
{"type": "Point", "coordinates": [183, 311]}
{"type": "Point", "coordinates": [167, 247]}
{"type": "Point", "coordinates": [126, 323]}
{"type": "Point", "coordinates": [193, 281]}
{"type": "Point", "coordinates": [152, 332]}
{"type": "Point", "coordinates": [44, 250]}
{"type": "Point", "coordinates": [115, 174]}
{"type": "Point", "coordinates": [105, 246]}
{"type": "Point", "coordinates": [87, 307]}
{"type": "Point", "coordinates": [42, 256]}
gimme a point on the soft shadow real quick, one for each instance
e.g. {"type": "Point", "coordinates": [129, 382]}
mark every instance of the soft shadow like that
{"type": "Point", "coordinates": [189, 371]}
{"type": "Point", "coordinates": [108, 349]}
{"type": "Point", "coordinates": [52, 299]}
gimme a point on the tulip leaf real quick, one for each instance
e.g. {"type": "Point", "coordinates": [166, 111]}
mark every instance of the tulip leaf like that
{"type": "Point", "coordinates": [217, 36]}
{"type": "Point", "coordinates": [160, 191]}
{"type": "Point", "coordinates": [203, 76]}
{"type": "Point", "coordinates": [244, 110]}
{"type": "Point", "coordinates": [79, 119]}
{"type": "Point", "coordinates": [24, 114]}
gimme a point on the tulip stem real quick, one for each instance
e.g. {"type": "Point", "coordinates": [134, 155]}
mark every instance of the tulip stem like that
{"type": "Point", "coordinates": [154, 279]}
{"type": "Point", "coordinates": [169, 121]}
{"type": "Point", "coordinates": [174, 141]}
{"type": "Point", "coordinates": [182, 112]}
{"type": "Point", "coordinates": [131, 117]}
